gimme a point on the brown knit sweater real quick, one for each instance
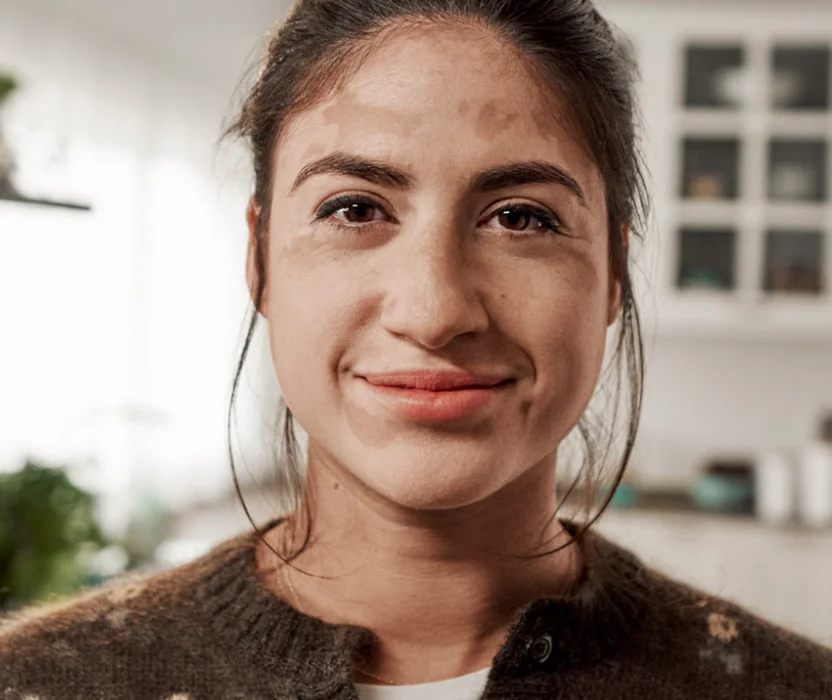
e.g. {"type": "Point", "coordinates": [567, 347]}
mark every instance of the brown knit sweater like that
{"type": "Point", "coordinates": [210, 630]}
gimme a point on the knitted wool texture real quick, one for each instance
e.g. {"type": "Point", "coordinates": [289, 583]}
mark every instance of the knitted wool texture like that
{"type": "Point", "coordinates": [211, 630]}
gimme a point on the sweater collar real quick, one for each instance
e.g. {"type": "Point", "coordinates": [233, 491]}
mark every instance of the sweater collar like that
{"type": "Point", "coordinates": [315, 659]}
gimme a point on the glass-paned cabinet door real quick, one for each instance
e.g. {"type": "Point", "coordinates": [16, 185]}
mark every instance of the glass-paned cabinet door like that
{"type": "Point", "coordinates": [794, 262]}
{"type": "Point", "coordinates": [714, 76]}
{"type": "Point", "coordinates": [707, 258]}
{"type": "Point", "coordinates": [800, 77]}
{"type": "Point", "coordinates": [797, 170]}
{"type": "Point", "coordinates": [710, 168]}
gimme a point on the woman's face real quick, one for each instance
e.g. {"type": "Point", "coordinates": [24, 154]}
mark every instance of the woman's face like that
{"type": "Point", "coordinates": [436, 216]}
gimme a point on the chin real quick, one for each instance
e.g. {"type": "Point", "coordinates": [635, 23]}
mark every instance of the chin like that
{"type": "Point", "coordinates": [425, 485]}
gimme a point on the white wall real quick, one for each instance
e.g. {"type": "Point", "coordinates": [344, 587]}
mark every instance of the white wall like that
{"type": "Point", "coordinates": [135, 307]}
{"type": "Point", "coordinates": [712, 397]}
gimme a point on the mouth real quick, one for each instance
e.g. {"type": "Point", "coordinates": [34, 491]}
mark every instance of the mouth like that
{"type": "Point", "coordinates": [436, 397]}
{"type": "Point", "coordinates": [436, 380]}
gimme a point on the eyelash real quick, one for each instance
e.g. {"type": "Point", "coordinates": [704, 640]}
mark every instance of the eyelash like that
{"type": "Point", "coordinates": [550, 223]}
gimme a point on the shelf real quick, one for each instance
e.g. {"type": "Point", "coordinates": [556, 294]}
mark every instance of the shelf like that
{"type": "Point", "coordinates": [804, 124]}
{"type": "Point", "coordinates": [735, 327]}
{"type": "Point", "coordinates": [20, 199]}
{"type": "Point", "coordinates": [706, 123]}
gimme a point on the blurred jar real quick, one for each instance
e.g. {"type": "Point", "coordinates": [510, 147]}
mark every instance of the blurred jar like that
{"type": "Point", "coordinates": [774, 487]}
{"type": "Point", "coordinates": [815, 493]}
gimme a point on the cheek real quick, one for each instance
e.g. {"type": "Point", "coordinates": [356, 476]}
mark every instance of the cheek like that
{"type": "Point", "coordinates": [308, 311]}
{"type": "Point", "coordinates": [564, 328]}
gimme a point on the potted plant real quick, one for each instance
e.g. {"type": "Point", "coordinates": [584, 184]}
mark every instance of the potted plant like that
{"type": "Point", "coordinates": [47, 530]}
{"type": "Point", "coordinates": [8, 84]}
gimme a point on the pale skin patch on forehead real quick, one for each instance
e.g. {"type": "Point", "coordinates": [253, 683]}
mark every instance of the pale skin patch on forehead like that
{"type": "Point", "coordinates": [495, 59]}
{"type": "Point", "coordinates": [524, 109]}
{"type": "Point", "coordinates": [533, 96]}
{"type": "Point", "coordinates": [493, 118]}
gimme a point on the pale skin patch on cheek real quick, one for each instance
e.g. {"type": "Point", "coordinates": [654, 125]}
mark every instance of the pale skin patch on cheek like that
{"type": "Point", "coordinates": [365, 426]}
{"type": "Point", "coordinates": [298, 262]}
{"type": "Point", "coordinates": [572, 380]}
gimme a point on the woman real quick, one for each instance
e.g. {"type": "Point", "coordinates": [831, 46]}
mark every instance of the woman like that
{"type": "Point", "coordinates": [440, 230]}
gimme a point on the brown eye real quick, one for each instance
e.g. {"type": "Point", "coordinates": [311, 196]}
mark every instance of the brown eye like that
{"type": "Point", "coordinates": [525, 219]}
{"type": "Point", "coordinates": [357, 213]}
{"type": "Point", "coordinates": [352, 210]}
{"type": "Point", "coordinates": [514, 219]}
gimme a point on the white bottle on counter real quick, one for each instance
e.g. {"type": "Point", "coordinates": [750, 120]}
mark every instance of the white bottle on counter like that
{"type": "Point", "coordinates": [815, 492]}
{"type": "Point", "coordinates": [774, 487]}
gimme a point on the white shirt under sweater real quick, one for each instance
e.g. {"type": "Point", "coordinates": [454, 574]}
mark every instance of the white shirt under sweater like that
{"type": "Point", "coordinates": [467, 687]}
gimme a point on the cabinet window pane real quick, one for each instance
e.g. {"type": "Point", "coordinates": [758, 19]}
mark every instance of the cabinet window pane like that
{"type": "Point", "coordinates": [794, 262]}
{"type": "Point", "coordinates": [706, 258]}
{"type": "Point", "coordinates": [801, 77]}
{"type": "Point", "coordinates": [714, 76]}
{"type": "Point", "coordinates": [797, 170]}
{"type": "Point", "coordinates": [710, 168]}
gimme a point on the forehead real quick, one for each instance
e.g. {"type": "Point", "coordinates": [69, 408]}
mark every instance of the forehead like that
{"type": "Point", "coordinates": [454, 97]}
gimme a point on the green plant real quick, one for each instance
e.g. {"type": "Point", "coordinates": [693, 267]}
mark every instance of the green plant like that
{"type": "Point", "coordinates": [47, 527]}
{"type": "Point", "coordinates": [8, 84]}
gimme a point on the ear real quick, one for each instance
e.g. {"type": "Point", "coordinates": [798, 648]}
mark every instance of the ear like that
{"type": "Point", "coordinates": [615, 282]}
{"type": "Point", "coordinates": [252, 220]}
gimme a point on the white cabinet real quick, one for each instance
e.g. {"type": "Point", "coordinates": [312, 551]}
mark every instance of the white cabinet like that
{"type": "Point", "coordinates": [737, 103]}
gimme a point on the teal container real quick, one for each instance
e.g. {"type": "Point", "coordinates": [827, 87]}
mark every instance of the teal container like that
{"type": "Point", "coordinates": [723, 494]}
{"type": "Point", "coordinates": [625, 496]}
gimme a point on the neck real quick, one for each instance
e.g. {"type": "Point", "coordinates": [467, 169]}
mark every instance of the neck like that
{"type": "Point", "coordinates": [438, 589]}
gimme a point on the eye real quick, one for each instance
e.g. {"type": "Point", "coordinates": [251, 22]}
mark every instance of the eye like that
{"type": "Point", "coordinates": [525, 219]}
{"type": "Point", "coordinates": [350, 210]}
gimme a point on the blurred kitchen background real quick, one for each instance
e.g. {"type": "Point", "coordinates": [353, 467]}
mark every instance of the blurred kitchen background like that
{"type": "Point", "coordinates": [122, 295]}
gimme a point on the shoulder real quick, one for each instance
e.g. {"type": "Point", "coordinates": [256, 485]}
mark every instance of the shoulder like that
{"type": "Point", "coordinates": [121, 631]}
{"type": "Point", "coordinates": [704, 636]}
{"type": "Point", "coordinates": [60, 633]}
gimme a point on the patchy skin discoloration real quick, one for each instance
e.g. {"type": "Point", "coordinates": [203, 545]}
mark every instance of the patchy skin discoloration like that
{"type": "Point", "coordinates": [493, 118]}
{"type": "Point", "coordinates": [379, 115]}
{"type": "Point", "coordinates": [435, 280]}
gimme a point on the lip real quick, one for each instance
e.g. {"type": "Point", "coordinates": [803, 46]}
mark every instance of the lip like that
{"type": "Point", "coordinates": [435, 380]}
{"type": "Point", "coordinates": [436, 396]}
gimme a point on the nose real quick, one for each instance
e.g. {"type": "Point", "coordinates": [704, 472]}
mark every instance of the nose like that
{"type": "Point", "coordinates": [432, 288]}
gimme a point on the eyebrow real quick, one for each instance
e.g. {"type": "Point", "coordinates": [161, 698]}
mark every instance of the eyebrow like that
{"type": "Point", "coordinates": [386, 175]}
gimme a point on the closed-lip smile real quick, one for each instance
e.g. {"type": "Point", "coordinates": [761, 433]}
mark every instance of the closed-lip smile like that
{"type": "Point", "coordinates": [436, 395]}
{"type": "Point", "coordinates": [435, 380]}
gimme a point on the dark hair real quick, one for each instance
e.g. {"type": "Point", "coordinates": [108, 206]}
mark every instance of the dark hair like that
{"type": "Point", "coordinates": [568, 46]}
